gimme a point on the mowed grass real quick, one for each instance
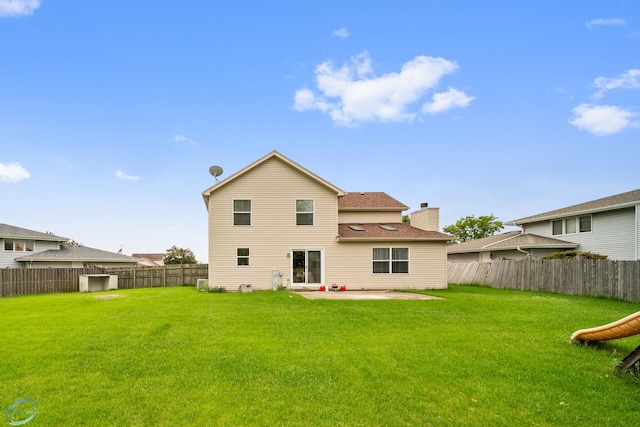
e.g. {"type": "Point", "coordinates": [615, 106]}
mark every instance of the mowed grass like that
{"type": "Point", "coordinates": [175, 356]}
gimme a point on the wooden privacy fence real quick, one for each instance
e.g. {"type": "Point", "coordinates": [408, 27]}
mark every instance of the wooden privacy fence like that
{"type": "Point", "coordinates": [602, 278]}
{"type": "Point", "coordinates": [153, 277]}
{"type": "Point", "coordinates": [23, 281]}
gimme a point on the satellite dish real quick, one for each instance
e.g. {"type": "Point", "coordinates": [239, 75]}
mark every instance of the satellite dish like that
{"type": "Point", "coordinates": [216, 171]}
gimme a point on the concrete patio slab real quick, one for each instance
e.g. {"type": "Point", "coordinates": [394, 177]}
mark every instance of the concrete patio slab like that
{"type": "Point", "coordinates": [364, 295]}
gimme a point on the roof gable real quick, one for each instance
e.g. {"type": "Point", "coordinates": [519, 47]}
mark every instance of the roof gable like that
{"type": "Point", "coordinates": [369, 201]}
{"type": "Point", "coordinates": [618, 201]}
{"type": "Point", "coordinates": [274, 154]}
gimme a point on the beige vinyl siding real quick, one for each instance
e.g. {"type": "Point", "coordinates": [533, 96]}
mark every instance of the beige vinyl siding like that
{"type": "Point", "coordinates": [364, 217]}
{"type": "Point", "coordinates": [273, 188]}
{"type": "Point", "coordinates": [426, 219]}
{"type": "Point", "coordinates": [352, 265]}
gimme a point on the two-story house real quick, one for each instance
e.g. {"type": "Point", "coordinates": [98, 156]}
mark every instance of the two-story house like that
{"type": "Point", "coordinates": [275, 222]}
{"type": "Point", "coordinates": [608, 226]}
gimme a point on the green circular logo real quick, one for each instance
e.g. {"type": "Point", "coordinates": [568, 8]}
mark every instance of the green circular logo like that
{"type": "Point", "coordinates": [21, 412]}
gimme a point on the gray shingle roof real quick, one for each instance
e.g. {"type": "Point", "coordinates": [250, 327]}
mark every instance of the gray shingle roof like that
{"type": "Point", "coordinates": [630, 198]}
{"type": "Point", "coordinates": [509, 240]}
{"type": "Point", "coordinates": [12, 232]}
{"type": "Point", "coordinates": [77, 253]}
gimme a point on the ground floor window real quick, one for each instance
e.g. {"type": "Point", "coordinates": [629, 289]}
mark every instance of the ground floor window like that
{"type": "Point", "coordinates": [390, 260]}
{"type": "Point", "coordinates": [243, 256]}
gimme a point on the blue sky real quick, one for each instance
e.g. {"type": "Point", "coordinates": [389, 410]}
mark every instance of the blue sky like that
{"type": "Point", "coordinates": [112, 112]}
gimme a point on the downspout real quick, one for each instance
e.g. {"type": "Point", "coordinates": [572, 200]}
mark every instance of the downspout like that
{"type": "Point", "coordinates": [637, 232]}
{"type": "Point", "coordinates": [523, 251]}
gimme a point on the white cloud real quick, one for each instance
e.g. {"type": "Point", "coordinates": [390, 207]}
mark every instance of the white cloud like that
{"type": "Point", "coordinates": [181, 139]}
{"type": "Point", "coordinates": [123, 176]}
{"type": "Point", "coordinates": [605, 22]}
{"type": "Point", "coordinates": [444, 101]}
{"type": "Point", "coordinates": [343, 33]}
{"type": "Point", "coordinates": [602, 119]}
{"type": "Point", "coordinates": [18, 7]}
{"type": "Point", "coordinates": [352, 94]}
{"type": "Point", "coordinates": [627, 80]}
{"type": "Point", "coordinates": [13, 172]}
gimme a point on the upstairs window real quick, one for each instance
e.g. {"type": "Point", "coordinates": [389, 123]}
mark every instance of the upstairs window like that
{"type": "Point", "coordinates": [242, 212]}
{"type": "Point", "coordinates": [304, 212]}
{"type": "Point", "coordinates": [571, 225]}
{"type": "Point", "coordinates": [18, 245]}
{"type": "Point", "coordinates": [585, 224]}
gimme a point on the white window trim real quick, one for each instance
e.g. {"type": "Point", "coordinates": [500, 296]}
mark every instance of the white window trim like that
{"type": "Point", "coordinates": [234, 212]}
{"type": "Point", "coordinates": [590, 224]}
{"type": "Point", "coordinates": [248, 258]}
{"type": "Point", "coordinates": [564, 225]}
{"type": "Point", "coordinates": [313, 212]}
{"type": "Point", "coordinates": [391, 260]}
{"type": "Point", "coordinates": [22, 242]}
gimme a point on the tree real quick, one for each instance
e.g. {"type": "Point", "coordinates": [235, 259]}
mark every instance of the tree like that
{"type": "Point", "coordinates": [406, 218]}
{"type": "Point", "coordinates": [177, 255]}
{"type": "Point", "coordinates": [472, 228]}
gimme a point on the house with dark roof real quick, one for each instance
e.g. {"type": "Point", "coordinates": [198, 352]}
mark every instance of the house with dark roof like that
{"type": "Point", "coordinates": [24, 248]}
{"type": "Point", "coordinates": [608, 226]}
{"type": "Point", "coordinates": [274, 222]}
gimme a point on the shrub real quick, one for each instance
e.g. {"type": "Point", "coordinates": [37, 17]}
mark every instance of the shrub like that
{"type": "Point", "coordinates": [573, 254]}
{"type": "Point", "coordinates": [217, 290]}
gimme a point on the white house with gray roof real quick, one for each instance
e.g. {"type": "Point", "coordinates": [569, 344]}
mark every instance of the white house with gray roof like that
{"type": "Point", "coordinates": [24, 248]}
{"type": "Point", "coordinates": [608, 226]}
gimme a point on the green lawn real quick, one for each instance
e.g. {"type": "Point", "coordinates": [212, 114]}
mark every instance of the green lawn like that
{"type": "Point", "coordinates": [175, 356]}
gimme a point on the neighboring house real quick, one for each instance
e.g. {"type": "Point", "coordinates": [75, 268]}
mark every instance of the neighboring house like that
{"type": "Point", "coordinates": [276, 222]}
{"type": "Point", "coordinates": [149, 260]}
{"type": "Point", "coordinates": [23, 248]}
{"type": "Point", "coordinates": [510, 245]}
{"type": "Point", "coordinates": [608, 226]}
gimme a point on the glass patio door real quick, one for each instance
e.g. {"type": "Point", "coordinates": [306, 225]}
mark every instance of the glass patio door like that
{"type": "Point", "coordinates": [306, 266]}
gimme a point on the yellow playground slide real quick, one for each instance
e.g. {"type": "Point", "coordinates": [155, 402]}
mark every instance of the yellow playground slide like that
{"type": "Point", "coordinates": [625, 327]}
{"type": "Point", "coordinates": [622, 328]}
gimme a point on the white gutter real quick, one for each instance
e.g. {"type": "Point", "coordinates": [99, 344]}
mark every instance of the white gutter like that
{"type": "Point", "coordinates": [519, 222]}
{"type": "Point", "coordinates": [523, 251]}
